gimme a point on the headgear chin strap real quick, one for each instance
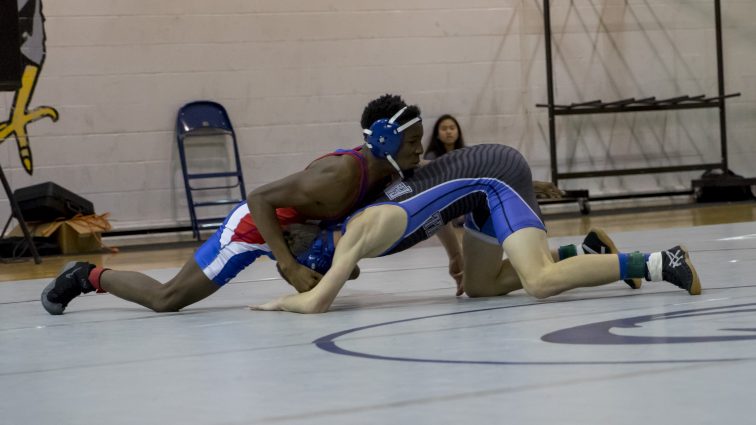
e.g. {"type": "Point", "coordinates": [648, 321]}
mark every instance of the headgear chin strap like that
{"type": "Point", "coordinates": [384, 138]}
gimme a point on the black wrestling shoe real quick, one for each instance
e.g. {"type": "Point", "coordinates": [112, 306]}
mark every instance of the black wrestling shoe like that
{"type": "Point", "coordinates": [72, 281]}
{"type": "Point", "coordinates": [598, 242]}
{"type": "Point", "coordinates": [678, 270]}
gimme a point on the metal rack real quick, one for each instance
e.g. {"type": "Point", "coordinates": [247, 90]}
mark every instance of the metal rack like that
{"type": "Point", "coordinates": [634, 105]}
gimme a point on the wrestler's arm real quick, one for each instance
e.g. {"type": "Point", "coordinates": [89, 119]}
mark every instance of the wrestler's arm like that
{"type": "Point", "coordinates": [453, 249]}
{"type": "Point", "coordinates": [369, 234]}
{"type": "Point", "coordinates": [302, 189]}
{"type": "Point", "coordinates": [451, 245]}
{"type": "Point", "coordinates": [320, 298]}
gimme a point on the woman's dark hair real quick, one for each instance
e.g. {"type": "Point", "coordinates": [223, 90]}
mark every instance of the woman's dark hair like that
{"type": "Point", "coordinates": [435, 145]}
{"type": "Point", "coordinates": [385, 107]}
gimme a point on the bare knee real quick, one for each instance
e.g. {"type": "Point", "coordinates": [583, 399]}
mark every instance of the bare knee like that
{"type": "Point", "coordinates": [477, 291]}
{"type": "Point", "coordinates": [540, 285]}
{"type": "Point", "coordinates": [538, 291]}
{"type": "Point", "coordinates": [183, 290]}
{"type": "Point", "coordinates": [164, 306]}
{"type": "Point", "coordinates": [490, 287]}
{"type": "Point", "coordinates": [168, 300]}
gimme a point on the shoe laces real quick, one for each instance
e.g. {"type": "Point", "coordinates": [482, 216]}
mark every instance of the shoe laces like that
{"type": "Point", "coordinates": [675, 258]}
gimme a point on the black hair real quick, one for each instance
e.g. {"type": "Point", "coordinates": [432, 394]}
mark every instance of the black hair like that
{"type": "Point", "coordinates": [385, 107]}
{"type": "Point", "coordinates": [299, 237]}
{"type": "Point", "coordinates": [435, 145]}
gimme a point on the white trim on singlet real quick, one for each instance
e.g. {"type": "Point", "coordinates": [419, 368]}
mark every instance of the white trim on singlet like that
{"type": "Point", "coordinates": [231, 224]}
{"type": "Point", "coordinates": [227, 252]}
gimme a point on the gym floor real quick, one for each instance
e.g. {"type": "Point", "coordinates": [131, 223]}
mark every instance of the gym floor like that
{"type": "Point", "coordinates": [398, 347]}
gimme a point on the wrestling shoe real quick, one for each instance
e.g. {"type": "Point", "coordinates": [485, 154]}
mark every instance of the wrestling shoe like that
{"type": "Point", "coordinates": [678, 270]}
{"type": "Point", "coordinates": [72, 281]}
{"type": "Point", "coordinates": [598, 242]}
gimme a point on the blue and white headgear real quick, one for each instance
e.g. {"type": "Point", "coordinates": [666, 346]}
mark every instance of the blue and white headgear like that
{"type": "Point", "coordinates": [319, 256]}
{"type": "Point", "coordinates": [384, 138]}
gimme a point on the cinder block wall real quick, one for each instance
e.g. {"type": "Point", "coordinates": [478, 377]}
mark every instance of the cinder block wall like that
{"type": "Point", "coordinates": [295, 75]}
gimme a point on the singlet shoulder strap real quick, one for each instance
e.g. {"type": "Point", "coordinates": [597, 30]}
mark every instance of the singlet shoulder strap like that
{"type": "Point", "coordinates": [355, 153]}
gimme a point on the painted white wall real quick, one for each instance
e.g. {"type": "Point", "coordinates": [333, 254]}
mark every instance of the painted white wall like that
{"type": "Point", "coordinates": [295, 75]}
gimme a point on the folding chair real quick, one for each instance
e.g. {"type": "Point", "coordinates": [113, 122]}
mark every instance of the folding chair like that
{"type": "Point", "coordinates": [207, 119]}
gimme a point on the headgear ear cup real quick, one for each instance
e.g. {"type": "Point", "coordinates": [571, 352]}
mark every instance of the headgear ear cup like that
{"type": "Point", "coordinates": [384, 137]}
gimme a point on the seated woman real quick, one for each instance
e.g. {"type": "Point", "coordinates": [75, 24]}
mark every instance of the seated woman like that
{"type": "Point", "coordinates": [492, 185]}
{"type": "Point", "coordinates": [446, 137]}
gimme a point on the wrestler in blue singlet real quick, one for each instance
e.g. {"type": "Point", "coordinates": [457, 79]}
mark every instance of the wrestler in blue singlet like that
{"type": "Point", "coordinates": [491, 184]}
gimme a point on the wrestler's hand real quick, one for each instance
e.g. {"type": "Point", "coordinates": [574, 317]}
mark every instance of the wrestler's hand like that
{"type": "Point", "coordinates": [300, 277]}
{"type": "Point", "coordinates": [274, 305]}
{"type": "Point", "coordinates": [547, 190]}
{"type": "Point", "coordinates": [456, 270]}
{"type": "Point", "coordinates": [304, 303]}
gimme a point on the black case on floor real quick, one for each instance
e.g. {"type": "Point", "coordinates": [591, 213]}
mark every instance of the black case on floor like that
{"type": "Point", "coordinates": [49, 202]}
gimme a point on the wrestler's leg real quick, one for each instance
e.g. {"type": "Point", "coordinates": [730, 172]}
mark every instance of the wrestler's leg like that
{"type": "Point", "coordinates": [541, 277]}
{"type": "Point", "coordinates": [187, 287]}
{"type": "Point", "coordinates": [220, 258]}
{"type": "Point", "coordinates": [485, 273]}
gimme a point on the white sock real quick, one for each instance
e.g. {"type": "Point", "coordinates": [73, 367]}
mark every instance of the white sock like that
{"type": "Point", "coordinates": [654, 265]}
